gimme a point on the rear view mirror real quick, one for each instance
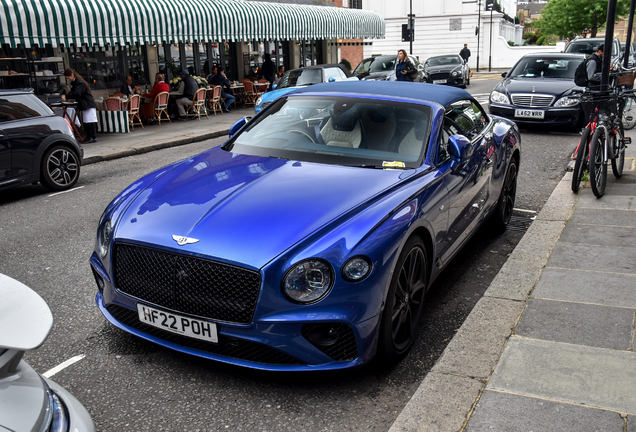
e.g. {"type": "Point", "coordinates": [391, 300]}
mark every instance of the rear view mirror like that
{"type": "Point", "coordinates": [332, 79]}
{"type": "Point", "coordinates": [274, 86]}
{"type": "Point", "coordinates": [505, 74]}
{"type": "Point", "coordinates": [460, 149]}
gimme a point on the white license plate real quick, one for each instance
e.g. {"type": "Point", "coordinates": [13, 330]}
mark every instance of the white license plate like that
{"type": "Point", "coordinates": [439, 81]}
{"type": "Point", "coordinates": [185, 326]}
{"type": "Point", "coordinates": [524, 113]}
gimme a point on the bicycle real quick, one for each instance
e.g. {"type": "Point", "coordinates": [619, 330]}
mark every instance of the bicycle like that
{"type": "Point", "coordinates": [603, 138]}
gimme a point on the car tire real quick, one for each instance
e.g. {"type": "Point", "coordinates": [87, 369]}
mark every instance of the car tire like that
{"type": "Point", "coordinates": [505, 204]}
{"type": "Point", "coordinates": [60, 168]}
{"type": "Point", "coordinates": [404, 301]}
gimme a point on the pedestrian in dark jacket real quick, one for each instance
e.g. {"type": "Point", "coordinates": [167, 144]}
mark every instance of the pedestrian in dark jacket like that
{"type": "Point", "coordinates": [127, 89]}
{"type": "Point", "coordinates": [81, 92]}
{"type": "Point", "coordinates": [189, 89]}
{"type": "Point", "coordinates": [405, 69]}
{"type": "Point", "coordinates": [221, 80]}
{"type": "Point", "coordinates": [465, 53]}
{"type": "Point", "coordinates": [269, 70]}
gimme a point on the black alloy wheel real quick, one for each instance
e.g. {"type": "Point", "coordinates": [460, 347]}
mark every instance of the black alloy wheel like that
{"type": "Point", "coordinates": [60, 168]}
{"type": "Point", "coordinates": [506, 202]}
{"type": "Point", "coordinates": [582, 154]}
{"type": "Point", "coordinates": [405, 301]}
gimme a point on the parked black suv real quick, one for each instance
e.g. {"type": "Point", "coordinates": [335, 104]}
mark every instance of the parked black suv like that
{"type": "Point", "coordinates": [35, 144]}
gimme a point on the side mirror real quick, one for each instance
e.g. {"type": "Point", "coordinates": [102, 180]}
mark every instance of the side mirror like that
{"type": "Point", "coordinates": [274, 86]}
{"type": "Point", "coordinates": [238, 125]}
{"type": "Point", "coordinates": [331, 79]}
{"type": "Point", "coordinates": [505, 74]}
{"type": "Point", "coordinates": [460, 149]}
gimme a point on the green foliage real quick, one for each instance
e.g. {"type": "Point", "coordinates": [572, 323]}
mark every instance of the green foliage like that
{"type": "Point", "coordinates": [541, 40]}
{"type": "Point", "coordinates": [530, 38]}
{"type": "Point", "coordinates": [346, 63]}
{"type": "Point", "coordinates": [511, 43]}
{"type": "Point", "coordinates": [567, 18]}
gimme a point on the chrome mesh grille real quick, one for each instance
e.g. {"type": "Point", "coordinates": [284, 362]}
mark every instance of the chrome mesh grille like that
{"type": "Point", "coordinates": [187, 284]}
{"type": "Point", "coordinates": [532, 100]}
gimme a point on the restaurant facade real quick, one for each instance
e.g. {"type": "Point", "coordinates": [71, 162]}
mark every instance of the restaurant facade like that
{"type": "Point", "coordinates": [105, 40]}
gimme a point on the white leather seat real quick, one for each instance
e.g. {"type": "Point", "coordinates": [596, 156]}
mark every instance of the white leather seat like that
{"type": "Point", "coordinates": [338, 138]}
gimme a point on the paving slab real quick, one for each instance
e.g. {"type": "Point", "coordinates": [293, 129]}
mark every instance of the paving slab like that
{"type": "Point", "coordinates": [474, 350]}
{"type": "Point", "coordinates": [587, 286]}
{"type": "Point", "coordinates": [441, 404]}
{"type": "Point", "coordinates": [599, 235]}
{"type": "Point", "coordinates": [615, 202]}
{"type": "Point", "coordinates": [561, 202]}
{"type": "Point", "coordinates": [605, 258]}
{"type": "Point", "coordinates": [595, 377]}
{"type": "Point", "coordinates": [507, 412]}
{"type": "Point", "coordinates": [622, 218]}
{"type": "Point", "coordinates": [577, 323]}
{"type": "Point", "coordinates": [631, 423]}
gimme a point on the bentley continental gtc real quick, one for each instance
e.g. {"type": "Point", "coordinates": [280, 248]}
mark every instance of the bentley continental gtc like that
{"type": "Point", "coordinates": [308, 240]}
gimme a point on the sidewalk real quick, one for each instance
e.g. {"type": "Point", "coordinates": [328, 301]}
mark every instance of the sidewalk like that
{"type": "Point", "coordinates": [550, 346]}
{"type": "Point", "coordinates": [154, 137]}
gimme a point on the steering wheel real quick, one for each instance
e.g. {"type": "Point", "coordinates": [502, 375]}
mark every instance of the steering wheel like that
{"type": "Point", "coordinates": [304, 134]}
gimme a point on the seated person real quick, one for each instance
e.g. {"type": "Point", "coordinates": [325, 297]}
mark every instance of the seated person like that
{"type": "Point", "coordinates": [128, 89]}
{"type": "Point", "coordinates": [221, 80]}
{"type": "Point", "coordinates": [147, 108]}
{"type": "Point", "coordinates": [212, 74]}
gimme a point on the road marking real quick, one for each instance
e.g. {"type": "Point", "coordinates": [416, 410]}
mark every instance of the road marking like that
{"type": "Point", "coordinates": [49, 373]}
{"type": "Point", "coordinates": [66, 191]}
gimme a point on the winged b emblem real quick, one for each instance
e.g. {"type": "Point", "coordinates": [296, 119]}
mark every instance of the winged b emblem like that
{"type": "Point", "coordinates": [182, 240]}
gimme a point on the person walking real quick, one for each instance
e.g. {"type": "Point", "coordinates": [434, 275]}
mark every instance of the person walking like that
{"type": "Point", "coordinates": [269, 70]}
{"type": "Point", "coordinates": [221, 80]}
{"type": "Point", "coordinates": [465, 53]}
{"type": "Point", "coordinates": [405, 69]}
{"type": "Point", "coordinates": [81, 92]}
{"type": "Point", "coordinates": [189, 89]}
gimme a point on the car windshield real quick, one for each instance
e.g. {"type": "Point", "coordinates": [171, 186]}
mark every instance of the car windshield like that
{"type": "Point", "coordinates": [382, 64]}
{"type": "Point", "coordinates": [300, 77]}
{"type": "Point", "coordinates": [339, 131]}
{"type": "Point", "coordinates": [536, 67]}
{"type": "Point", "coordinates": [443, 61]}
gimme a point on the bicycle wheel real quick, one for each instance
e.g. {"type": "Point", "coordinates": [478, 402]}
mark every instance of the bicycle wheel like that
{"type": "Point", "coordinates": [629, 113]}
{"type": "Point", "coordinates": [619, 152]}
{"type": "Point", "coordinates": [598, 164]}
{"type": "Point", "coordinates": [582, 154]}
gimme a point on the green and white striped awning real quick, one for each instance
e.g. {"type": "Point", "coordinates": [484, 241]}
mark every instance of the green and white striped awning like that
{"type": "Point", "coordinates": [110, 22]}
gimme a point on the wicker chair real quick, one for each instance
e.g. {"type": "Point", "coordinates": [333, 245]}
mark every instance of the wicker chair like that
{"type": "Point", "coordinates": [161, 106]}
{"type": "Point", "coordinates": [133, 111]}
{"type": "Point", "coordinates": [114, 104]}
{"type": "Point", "coordinates": [214, 103]}
{"type": "Point", "coordinates": [250, 93]}
{"type": "Point", "coordinates": [197, 105]}
{"type": "Point", "coordinates": [261, 87]}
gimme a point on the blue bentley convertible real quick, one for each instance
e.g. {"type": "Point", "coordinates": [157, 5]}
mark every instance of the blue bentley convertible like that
{"type": "Point", "coordinates": [309, 239]}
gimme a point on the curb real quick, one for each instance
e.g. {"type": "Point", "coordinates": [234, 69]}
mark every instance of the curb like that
{"type": "Point", "coordinates": [448, 394]}
{"type": "Point", "coordinates": [146, 148]}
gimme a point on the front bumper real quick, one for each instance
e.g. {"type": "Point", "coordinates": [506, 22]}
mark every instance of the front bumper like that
{"type": "Point", "coordinates": [570, 116]}
{"type": "Point", "coordinates": [452, 81]}
{"type": "Point", "coordinates": [275, 341]}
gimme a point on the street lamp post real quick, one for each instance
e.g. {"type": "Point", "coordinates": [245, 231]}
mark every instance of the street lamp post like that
{"type": "Point", "coordinates": [478, 31]}
{"type": "Point", "coordinates": [492, 6]}
{"type": "Point", "coordinates": [411, 29]}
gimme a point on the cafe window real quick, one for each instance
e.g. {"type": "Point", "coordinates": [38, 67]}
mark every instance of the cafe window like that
{"type": "Point", "coordinates": [310, 53]}
{"type": "Point", "coordinates": [107, 68]}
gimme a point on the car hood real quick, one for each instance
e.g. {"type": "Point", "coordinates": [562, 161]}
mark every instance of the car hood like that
{"type": "Point", "coordinates": [552, 86]}
{"type": "Point", "coordinates": [246, 209]}
{"type": "Point", "coordinates": [439, 69]}
{"type": "Point", "coordinates": [377, 76]}
{"type": "Point", "coordinates": [271, 95]}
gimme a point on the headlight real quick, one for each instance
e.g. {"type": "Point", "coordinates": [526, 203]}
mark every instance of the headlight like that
{"type": "Point", "coordinates": [455, 73]}
{"type": "Point", "coordinates": [259, 100]}
{"type": "Point", "coordinates": [356, 269]}
{"type": "Point", "coordinates": [501, 98]}
{"type": "Point", "coordinates": [308, 281]}
{"type": "Point", "coordinates": [567, 101]}
{"type": "Point", "coordinates": [105, 233]}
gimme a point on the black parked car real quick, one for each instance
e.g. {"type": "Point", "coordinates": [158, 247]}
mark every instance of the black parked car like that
{"type": "Point", "coordinates": [447, 69]}
{"type": "Point", "coordinates": [35, 144]}
{"type": "Point", "coordinates": [538, 90]}
{"type": "Point", "coordinates": [378, 68]}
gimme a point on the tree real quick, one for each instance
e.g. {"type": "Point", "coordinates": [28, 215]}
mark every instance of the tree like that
{"type": "Point", "coordinates": [568, 18]}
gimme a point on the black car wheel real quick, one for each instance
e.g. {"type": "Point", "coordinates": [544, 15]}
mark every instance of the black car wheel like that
{"type": "Point", "coordinates": [60, 168]}
{"type": "Point", "coordinates": [405, 301]}
{"type": "Point", "coordinates": [503, 211]}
